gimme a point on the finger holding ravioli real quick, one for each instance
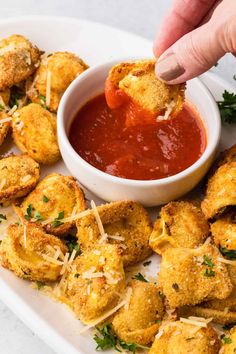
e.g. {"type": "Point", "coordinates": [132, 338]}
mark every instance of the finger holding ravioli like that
{"type": "Point", "coordinates": [31, 253]}
{"type": "Point", "coordinates": [137, 81]}
{"type": "Point", "coordinates": [53, 76]}
{"type": "Point", "coordinates": [35, 132]}
{"type": "Point", "coordinates": [18, 176]}
{"type": "Point", "coordinates": [19, 59]}
{"type": "Point", "coordinates": [181, 224]}
{"type": "Point", "coordinates": [54, 199]}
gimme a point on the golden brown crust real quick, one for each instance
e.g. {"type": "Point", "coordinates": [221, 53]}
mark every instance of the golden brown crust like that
{"type": "Point", "coordinates": [179, 338]}
{"type": "Point", "coordinates": [35, 132]}
{"type": "Point", "coordinates": [64, 196]}
{"type": "Point", "coordinates": [220, 193]}
{"type": "Point", "coordinates": [126, 219]}
{"type": "Point", "coordinates": [18, 60]}
{"type": "Point", "coordinates": [91, 296]}
{"type": "Point", "coordinates": [24, 254]}
{"type": "Point", "coordinates": [64, 68]}
{"type": "Point", "coordinates": [138, 81]}
{"type": "Point", "coordinates": [224, 232]}
{"type": "Point", "coordinates": [140, 321]}
{"type": "Point", "coordinates": [19, 174]}
{"type": "Point", "coordinates": [181, 224]}
{"type": "Point", "coordinates": [190, 276]}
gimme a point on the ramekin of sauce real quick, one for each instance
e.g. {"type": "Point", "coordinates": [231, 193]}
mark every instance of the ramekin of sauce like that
{"type": "Point", "coordinates": [117, 157]}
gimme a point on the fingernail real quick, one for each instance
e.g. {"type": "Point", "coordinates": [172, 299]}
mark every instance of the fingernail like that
{"type": "Point", "coordinates": [168, 68]}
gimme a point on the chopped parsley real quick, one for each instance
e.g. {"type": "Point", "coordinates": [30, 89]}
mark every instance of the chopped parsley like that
{"type": "Point", "coordinates": [16, 94]}
{"type": "Point", "coordinates": [42, 100]}
{"type": "Point", "coordinates": [38, 216]}
{"type": "Point", "coordinates": [145, 264]}
{"type": "Point", "coordinates": [208, 261]}
{"type": "Point", "coordinates": [2, 217]}
{"type": "Point", "coordinates": [76, 275]}
{"type": "Point", "coordinates": [29, 211]}
{"type": "Point", "coordinates": [45, 199]}
{"type": "Point", "coordinates": [72, 244]}
{"type": "Point", "coordinates": [175, 286]}
{"type": "Point", "coordinates": [227, 340]}
{"type": "Point", "coordinates": [227, 107]}
{"type": "Point", "coordinates": [57, 221]}
{"type": "Point", "coordinates": [40, 284]}
{"type": "Point", "coordinates": [140, 277]}
{"type": "Point", "coordinates": [209, 273]}
{"type": "Point", "coordinates": [229, 254]}
{"type": "Point", "coordinates": [107, 339]}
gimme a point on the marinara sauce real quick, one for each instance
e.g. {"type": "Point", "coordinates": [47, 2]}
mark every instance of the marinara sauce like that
{"type": "Point", "coordinates": [119, 142]}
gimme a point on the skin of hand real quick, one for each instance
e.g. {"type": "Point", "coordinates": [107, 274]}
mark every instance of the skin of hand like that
{"type": "Point", "coordinates": [193, 36]}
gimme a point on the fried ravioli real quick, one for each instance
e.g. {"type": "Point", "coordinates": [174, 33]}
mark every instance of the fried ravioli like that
{"type": "Point", "coordinates": [97, 282]}
{"type": "Point", "coordinates": [56, 197]}
{"type": "Point", "coordinates": [224, 233]}
{"type": "Point", "coordinates": [29, 252]}
{"type": "Point", "coordinates": [182, 338]}
{"type": "Point", "coordinates": [18, 60]}
{"type": "Point", "coordinates": [181, 224]}
{"type": "Point", "coordinates": [139, 322]}
{"type": "Point", "coordinates": [139, 82]}
{"type": "Point", "coordinates": [126, 224]}
{"type": "Point", "coordinates": [18, 176]}
{"type": "Point", "coordinates": [220, 193]}
{"type": "Point", "coordinates": [53, 76]}
{"type": "Point", "coordinates": [190, 276]}
{"type": "Point", "coordinates": [34, 132]}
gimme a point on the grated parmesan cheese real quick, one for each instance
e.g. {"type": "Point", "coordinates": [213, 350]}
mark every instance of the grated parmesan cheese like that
{"type": "Point", "coordinates": [5, 120]}
{"type": "Point", "coordinates": [69, 218]}
{"type": "Point", "coordinates": [226, 261]}
{"type": "Point", "coordinates": [52, 260]}
{"type": "Point", "coordinates": [26, 178]}
{"type": "Point", "coordinates": [169, 108]}
{"type": "Point", "coordinates": [25, 236]}
{"type": "Point", "coordinates": [2, 183]}
{"type": "Point", "coordinates": [116, 237]}
{"type": "Point", "coordinates": [97, 217]}
{"type": "Point", "coordinates": [129, 294]}
{"type": "Point", "coordinates": [196, 321]}
{"type": "Point", "coordinates": [12, 110]}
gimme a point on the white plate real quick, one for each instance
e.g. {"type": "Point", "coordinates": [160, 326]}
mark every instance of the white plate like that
{"type": "Point", "coordinates": [95, 43]}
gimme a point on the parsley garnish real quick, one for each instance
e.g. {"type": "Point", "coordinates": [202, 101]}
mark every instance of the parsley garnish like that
{"type": "Point", "coordinates": [227, 107]}
{"type": "Point", "coordinates": [229, 254]}
{"type": "Point", "coordinates": [76, 275]}
{"type": "Point", "coordinates": [57, 221]}
{"type": "Point", "coordinates": [140, 277]}
{"type": "Point", "coordinates": [45, 199]}
{"type": "Point", "coordinates": [147, 263]}
{"type": "Point", "coordinates": [209, 273]}
{"type": "Point", "coordinates": [2, 217]}
{"type": "Point", "coordinates": [42, 100]}
{"type": "Point", "coordinates": [42, 97]}
{"type": "Point", "coordinates": [227, 340]}
{"type": "Point", "coordinates": [16, 94]}
{"type": "Point", "coordinates": [38, 216]}
{"type": "Point", "coordinates": [175, 286]}
{"type": "Point", "coordinates": [29, 210]}
{"type": "Point", "coordinates": [107, 339]}
{"type": "Point", "coordinates": [72, 244]}
{"type": "Point", "coordinates": [40, 284]}
{"type": "Point", "coordinates": [208, 261]}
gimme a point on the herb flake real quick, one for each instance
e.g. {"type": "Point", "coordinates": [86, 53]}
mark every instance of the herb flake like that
{"type": "Point", "coordinates": [140, 277]}
{"type": "Point", "coordinates": [147, 263]}
{"type": "Point", "coordinates": [57, 221]}
{"type": "Point", "coordinates": [228, 254]}
{"type": "Point", "coordinates": [45, 199]}
{"type": "Point", "coordinates": [227, 107]}
{"type": "Point", "coordinates": [29, 211]}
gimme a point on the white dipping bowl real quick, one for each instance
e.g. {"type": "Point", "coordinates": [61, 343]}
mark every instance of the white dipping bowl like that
{"type": "Point", "coordinates": [111, 188]}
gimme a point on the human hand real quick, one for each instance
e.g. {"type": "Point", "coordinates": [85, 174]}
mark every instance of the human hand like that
{"type": "Point", "coordinates": [193, 36]}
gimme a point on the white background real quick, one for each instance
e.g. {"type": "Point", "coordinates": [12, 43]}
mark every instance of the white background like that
{"type": "Point", "coordinates": [139, 16]}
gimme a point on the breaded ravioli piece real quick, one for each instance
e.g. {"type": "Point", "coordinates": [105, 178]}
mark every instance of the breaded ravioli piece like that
{"type": "Point", "coordinates": [229, 341]}
{"type": "Point", "coordinates": [220, 192]}
{"type": "Point", "coordinates": [30, 253]}
{"type": "Point", "coordinates": [53, 76]}
{"type": "Point", "coordinates": [19, 59]}
{"type": "Point", "coordinates": [182, 338]}
{"type": "Point", "coordinates": [55, 198]}
{"type": "Point", "coordinates": [19, 174]}
{"type": "Point", "coordinates": [140, 320]}
{"type": "Point", "coordinates": [181, 224]}
{"type": "Point", "coordinates": [35, 132]}
{"type": "Point", "coordinates": [190, 276]}
{"type": "Point", "coordinates": [125, 223]}
{"type": "Point", "coordinates": [223, 231]}
{"type": "Point", "coordinates": [96, 283]}
{"type": "Point", "coordinates": [138, 81]}
{"type": "Point", "coordinates": [221, 311]}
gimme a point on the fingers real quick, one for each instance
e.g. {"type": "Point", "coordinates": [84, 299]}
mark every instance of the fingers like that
{"type": "Point", "coordinates": [183, 17]}
{"type": "Point", "coordinates": [190, 56]}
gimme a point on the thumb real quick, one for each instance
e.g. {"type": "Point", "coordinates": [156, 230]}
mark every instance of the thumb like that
{"type": "Point", "coordinates": [191, 55]}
